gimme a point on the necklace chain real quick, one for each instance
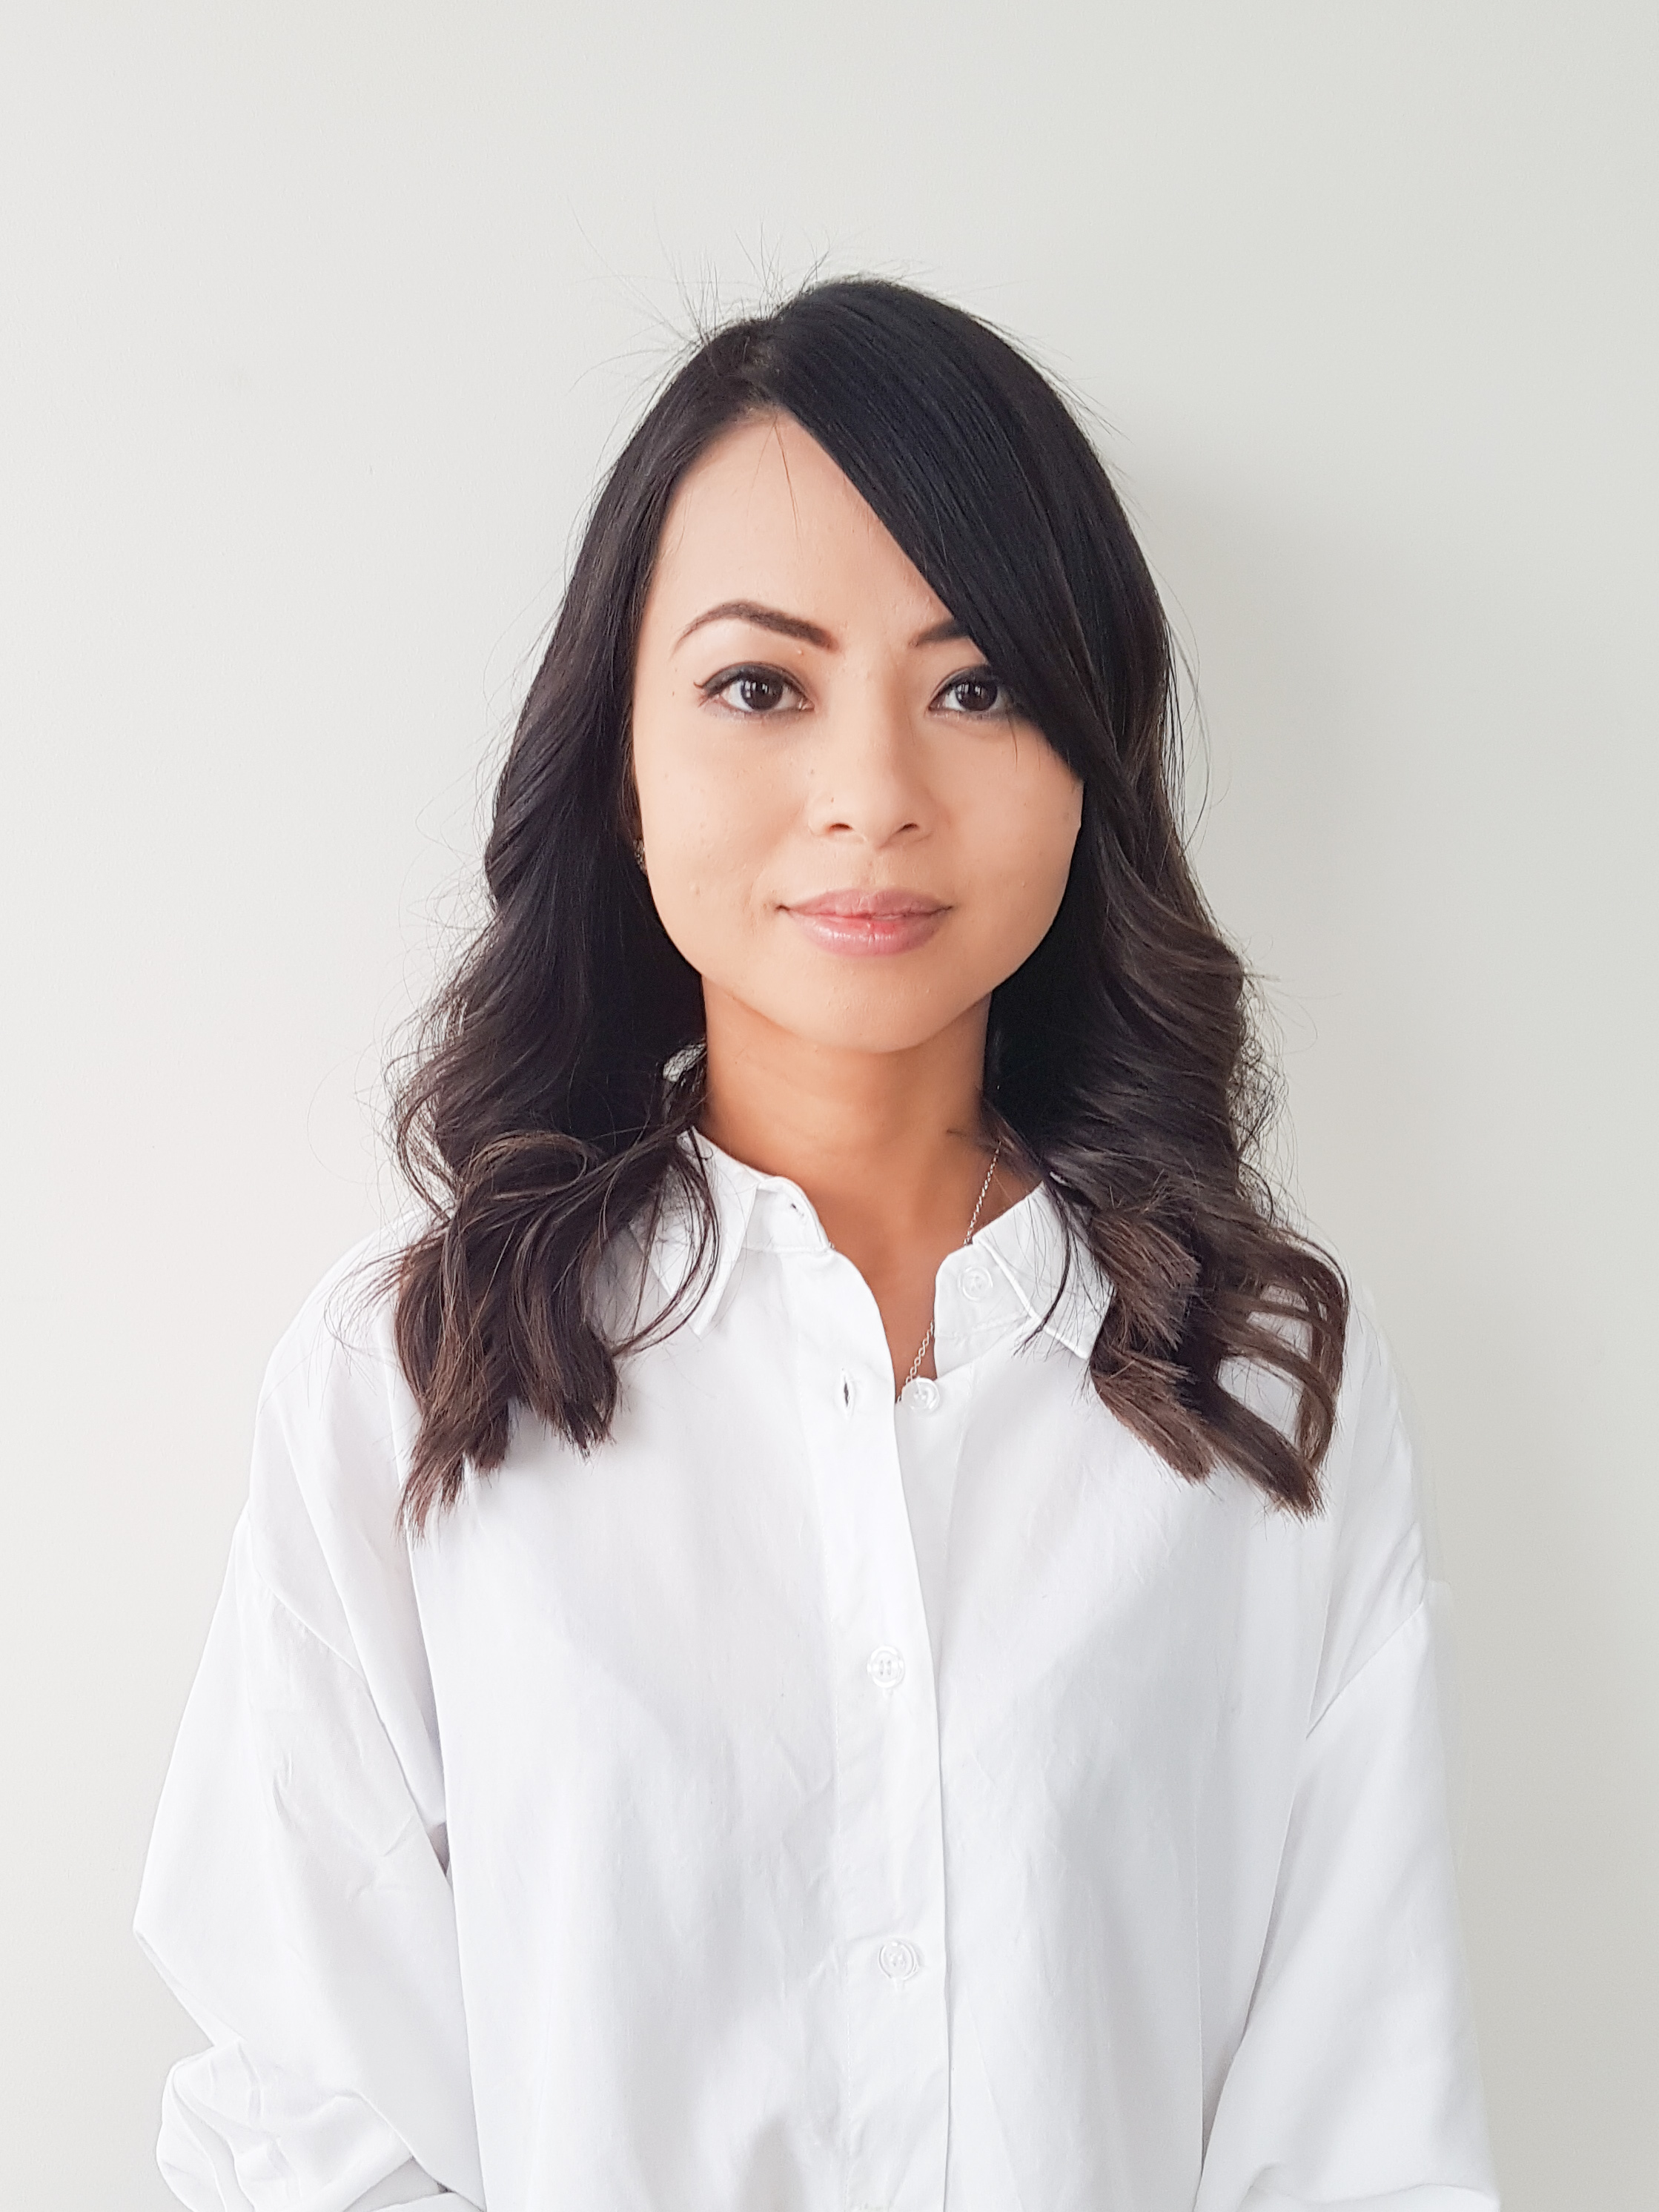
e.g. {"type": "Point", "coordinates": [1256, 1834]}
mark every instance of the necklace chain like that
{"type": "Point", "coordinates": [973, 1223]}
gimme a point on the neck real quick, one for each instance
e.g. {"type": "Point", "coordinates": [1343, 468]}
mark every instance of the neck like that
{"type": "Point", "coordinates": [890, 1147]}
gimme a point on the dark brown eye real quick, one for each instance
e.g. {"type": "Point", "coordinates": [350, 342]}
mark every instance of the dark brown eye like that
{"type": "Point", "coordinates": [753, 690]}
{"type": "Point", "coordinates": [757, 693]}
{"type": "Point", "coordinates": [976, 695]}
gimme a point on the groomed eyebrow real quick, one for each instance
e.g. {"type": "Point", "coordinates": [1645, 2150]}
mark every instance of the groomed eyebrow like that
{"type": "Point", "coordinates": [797, 626]}
{"type": "Point", "coordinates": [773, 618]}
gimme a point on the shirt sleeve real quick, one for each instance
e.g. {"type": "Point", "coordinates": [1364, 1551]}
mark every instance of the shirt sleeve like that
{"type": "Point", "coordinates": [1355, 2083]}
{"type": "Point", "coordinates": [295, 1897]}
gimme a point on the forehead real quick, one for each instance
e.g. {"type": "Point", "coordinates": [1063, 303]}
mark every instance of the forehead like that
{"type": "Point", "coordinates": [766, 514]}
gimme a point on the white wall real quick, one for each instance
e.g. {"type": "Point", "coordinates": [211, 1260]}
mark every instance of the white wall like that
{"type": "Point", "coordinates": [317, 321]}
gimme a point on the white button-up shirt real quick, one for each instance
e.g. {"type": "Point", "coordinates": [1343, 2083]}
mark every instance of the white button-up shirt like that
{"type": "Point", "coordinates": [812, 1803]}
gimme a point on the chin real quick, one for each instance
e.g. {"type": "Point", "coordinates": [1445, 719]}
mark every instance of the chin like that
{"type": "Point", "coordinates": [867, 1036]}
{"type": "Point", "coordinates": [892, 1020]}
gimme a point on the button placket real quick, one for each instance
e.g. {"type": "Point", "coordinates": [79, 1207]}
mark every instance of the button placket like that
{"type": "Point", "coordinates": [889, 1851]}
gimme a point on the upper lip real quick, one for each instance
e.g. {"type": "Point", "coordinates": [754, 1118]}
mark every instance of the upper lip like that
{"type": "Point", "coordinates": [867, 905]}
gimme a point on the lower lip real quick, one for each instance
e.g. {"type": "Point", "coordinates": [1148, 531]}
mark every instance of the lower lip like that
{"type": "Point", "coordinates": [863, 933]}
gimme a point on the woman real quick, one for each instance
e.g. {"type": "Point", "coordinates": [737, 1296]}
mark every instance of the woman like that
{"type": "Point", "coordinates": [840, 1621]}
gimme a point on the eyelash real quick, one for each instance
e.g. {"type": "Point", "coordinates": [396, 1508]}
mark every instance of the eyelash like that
{"type": "Point", "coordinates": [758, 671]}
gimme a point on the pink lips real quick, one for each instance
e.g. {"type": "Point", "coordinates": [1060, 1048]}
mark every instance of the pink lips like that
{"type": "Point", "coordinates": [868, 921]}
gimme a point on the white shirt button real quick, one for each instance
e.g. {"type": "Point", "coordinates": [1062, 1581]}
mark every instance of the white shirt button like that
{"type": "Point", "coordinates": [924, 1392]}
{"type": "Point", "coordinates": [976, 1283]}
{"type": "Point", "coordinates": [899, 1960]}
{"type": "Point", "coordinates": [886, 1667]}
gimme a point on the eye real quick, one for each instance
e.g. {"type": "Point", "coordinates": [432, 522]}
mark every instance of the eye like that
{"type": "Point", "coordinates": [978, 694]}
{"type": "Point", "coordinates": [753, 692]}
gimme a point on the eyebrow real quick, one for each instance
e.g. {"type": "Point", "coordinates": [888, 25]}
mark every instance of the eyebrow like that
{"type": "Point", "coordinates": [809, 633]}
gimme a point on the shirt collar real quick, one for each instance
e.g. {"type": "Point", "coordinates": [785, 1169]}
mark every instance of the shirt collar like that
{"type": "Point", "coordinates": [1029, 1245]}
{"type": "Point", "coordinates": [1049, 1267]}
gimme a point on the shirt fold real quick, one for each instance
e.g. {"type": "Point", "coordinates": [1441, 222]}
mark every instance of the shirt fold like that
{"type": "Point", "coordinates": [809, 1803]}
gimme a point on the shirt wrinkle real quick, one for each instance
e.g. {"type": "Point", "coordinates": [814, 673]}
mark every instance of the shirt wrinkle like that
{"type": "Point", "coordinates": [848, 1804]}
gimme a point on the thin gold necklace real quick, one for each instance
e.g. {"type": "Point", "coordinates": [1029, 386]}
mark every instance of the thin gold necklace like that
{"type": "Point", "coordinates": [973, 1223]}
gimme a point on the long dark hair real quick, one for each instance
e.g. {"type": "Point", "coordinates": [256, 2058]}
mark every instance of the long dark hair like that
{"type": "Point", "coordinates": [560, 1069]}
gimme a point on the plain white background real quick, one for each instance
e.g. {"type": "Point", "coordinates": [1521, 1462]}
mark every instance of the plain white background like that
{"type": "Point", "coordinates": [318, 321]}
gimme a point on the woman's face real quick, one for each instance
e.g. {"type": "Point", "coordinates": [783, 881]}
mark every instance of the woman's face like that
{"type": "Point", "coordinates": [849, 827]}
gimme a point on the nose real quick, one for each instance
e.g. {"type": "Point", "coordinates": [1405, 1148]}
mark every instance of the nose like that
{"type": "Point", "coordinates": [866, 777]}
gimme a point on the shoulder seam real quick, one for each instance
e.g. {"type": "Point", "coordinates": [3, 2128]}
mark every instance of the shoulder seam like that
{"type": "Point", "coordinates": [311, 1634]}
{"type": "Point", "coordinates": [1367, 1664]}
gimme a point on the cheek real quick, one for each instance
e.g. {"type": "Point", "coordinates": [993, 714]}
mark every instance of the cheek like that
{"type": "Point", "coordinates": [1025, 831]}
{"type": "Point", "coordinates": [706, 818]}
{"type": "Point", "coordinates": [712, 814]}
